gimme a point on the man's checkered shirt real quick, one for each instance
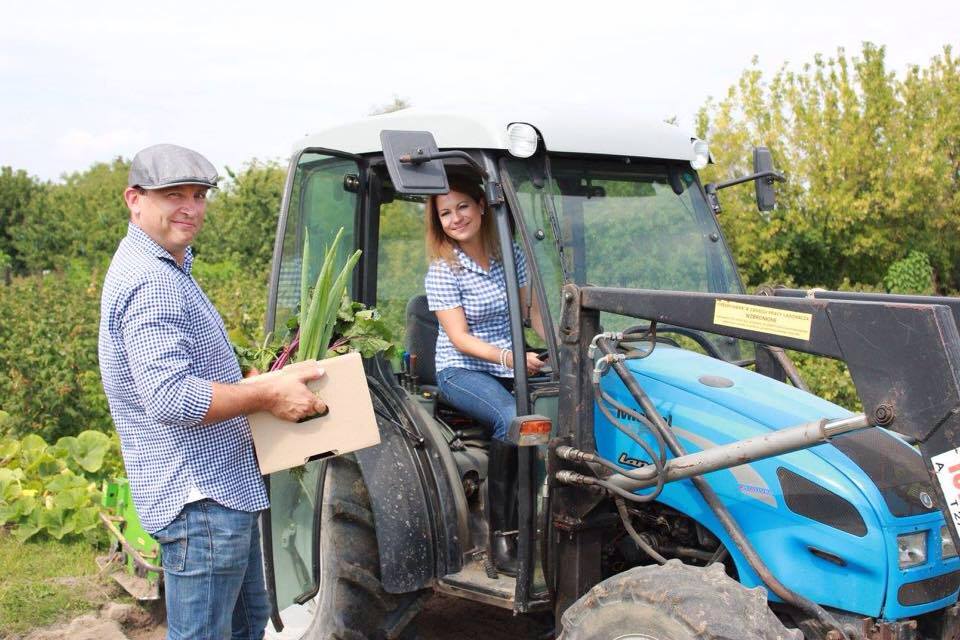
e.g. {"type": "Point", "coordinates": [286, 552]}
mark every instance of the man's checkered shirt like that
{"type": "Point", "coordinates": [161, 345]}
{"type": "Point", "coordinates": [483, 296]}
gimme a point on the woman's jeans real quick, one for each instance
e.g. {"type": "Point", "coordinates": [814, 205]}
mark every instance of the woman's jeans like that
{"type": "Point", "coordinates": [213, 573]}
{"type": "Point", "coordinates": [480, 395]}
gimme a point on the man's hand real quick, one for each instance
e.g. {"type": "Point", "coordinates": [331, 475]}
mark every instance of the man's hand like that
{"type": "Point", "coordinates": [289, 397]}
{"type": "Point", "coordinates": [284, 394]}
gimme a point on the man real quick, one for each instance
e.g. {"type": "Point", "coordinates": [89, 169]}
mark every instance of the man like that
{"type": "Point", "coordinates": [170, 377]}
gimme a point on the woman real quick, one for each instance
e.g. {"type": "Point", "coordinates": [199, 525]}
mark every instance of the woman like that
{"type": "Point", "coordinates": [467, 289]}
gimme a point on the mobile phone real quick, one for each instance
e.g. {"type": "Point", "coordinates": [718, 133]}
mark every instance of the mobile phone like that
{"type": "Point", "coordinates": [543, 356]}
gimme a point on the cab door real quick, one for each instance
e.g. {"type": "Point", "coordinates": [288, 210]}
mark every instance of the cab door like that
{"type": "Point", "coordinates": [322, 194]}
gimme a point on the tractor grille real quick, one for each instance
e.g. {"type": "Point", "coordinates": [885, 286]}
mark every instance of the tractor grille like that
{"type": "Point", "coordinates": [929, 590]}
{"type": "Point", "coordinates": [811, 500]}
{"type": "Point", "coordinates": [893, 466]}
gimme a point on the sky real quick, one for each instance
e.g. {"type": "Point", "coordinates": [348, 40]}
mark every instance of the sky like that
{"type": "Point", "coordinates": [85, 82]}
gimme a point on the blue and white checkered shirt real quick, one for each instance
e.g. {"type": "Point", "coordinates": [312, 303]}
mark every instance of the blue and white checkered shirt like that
{"type": "Point", "coordinates": [161, 345]}
{"type": "Point", "coordinates": [483, 296]}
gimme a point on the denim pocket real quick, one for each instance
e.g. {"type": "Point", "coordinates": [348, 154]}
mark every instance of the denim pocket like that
{"type": "Point", "coordinates": [173, 544]}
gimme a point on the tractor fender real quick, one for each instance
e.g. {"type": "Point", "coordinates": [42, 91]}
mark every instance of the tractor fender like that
{"type": "Point", "coordinates": [400, 517]}
{"type": "Point", "coordinates": [415, 511]}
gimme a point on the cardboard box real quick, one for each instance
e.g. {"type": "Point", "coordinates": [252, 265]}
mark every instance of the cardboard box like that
{"type": "Point", "coordinates": [349, 425]}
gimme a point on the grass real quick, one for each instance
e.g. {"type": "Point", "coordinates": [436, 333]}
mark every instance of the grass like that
{"type": "Point", "coordinates": [45, 582]}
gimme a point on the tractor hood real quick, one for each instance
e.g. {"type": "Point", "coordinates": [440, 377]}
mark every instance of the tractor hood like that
{"type": "Point", "coordinates": [893, 466]}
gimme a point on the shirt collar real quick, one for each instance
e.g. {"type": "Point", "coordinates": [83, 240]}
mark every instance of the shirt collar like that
{"type": "Point", "coordinates": [145, 244]}
{"type": "Point", "coordinates": [468, 263]}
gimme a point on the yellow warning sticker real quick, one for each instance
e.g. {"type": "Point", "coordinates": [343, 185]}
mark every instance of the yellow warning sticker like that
{"type": "Point", "coordinates": [777, 322]}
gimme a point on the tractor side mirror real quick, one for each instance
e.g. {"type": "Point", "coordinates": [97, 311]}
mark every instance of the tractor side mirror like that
{"type": "Point", "coordinates": [412, 162]}
{"type": "Point", "coordinates": [763, 177]}
{"type": "Point", "coordinates": [763, 166]}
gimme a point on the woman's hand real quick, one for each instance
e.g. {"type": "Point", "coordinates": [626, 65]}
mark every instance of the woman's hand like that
{"type": "Point", "coordinates": [534, 364]}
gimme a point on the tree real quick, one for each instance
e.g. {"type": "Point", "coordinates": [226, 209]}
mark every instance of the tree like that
{"type": "Point", "coordinates": [873, 165]}
{"type": "Point", "coordinates": [242, 216]}
{"type": "Point", "coordinates": [17, 190]}
{"type": "Point", "coordinates": [84, 217]}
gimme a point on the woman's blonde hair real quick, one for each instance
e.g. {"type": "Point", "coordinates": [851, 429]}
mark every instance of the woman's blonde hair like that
{"type": "Point", "coordinates": [439, 244]}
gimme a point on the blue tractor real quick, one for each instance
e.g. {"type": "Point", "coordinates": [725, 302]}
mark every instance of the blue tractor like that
{"type": "Point", "coordinates": [675, 477]}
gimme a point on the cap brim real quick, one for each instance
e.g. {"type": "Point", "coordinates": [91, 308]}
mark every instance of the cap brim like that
{"type": "Point", "coordinates": [178, 183]}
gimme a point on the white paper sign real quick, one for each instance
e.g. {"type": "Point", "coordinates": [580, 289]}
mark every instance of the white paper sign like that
{"type": "Point", "coordinates": [947, 467]}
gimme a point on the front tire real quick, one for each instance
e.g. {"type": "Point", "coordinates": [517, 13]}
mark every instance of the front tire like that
{"type": "Point", "coordinates": [673, 602]}
{"type": "Point", "coordinates": [351, 603]}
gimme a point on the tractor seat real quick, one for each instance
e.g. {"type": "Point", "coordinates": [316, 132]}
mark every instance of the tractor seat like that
{"type": "Point", "coordinates": [421, 341]}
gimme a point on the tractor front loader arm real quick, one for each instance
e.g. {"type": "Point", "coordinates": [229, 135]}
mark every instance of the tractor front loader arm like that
{"type": "Point", "coordinates": [903, 356]}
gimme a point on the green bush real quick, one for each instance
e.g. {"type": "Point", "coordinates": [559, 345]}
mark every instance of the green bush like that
{"type": "Point", "coordinates": [48, 352]}
{"type": "Point", "coordinates": [239, 293]}
{"type": "Point", "coordinates": [827, 378]}
{"type": "Point", "coordinates": [48, 343]}
{"type": "Point", "coordinates": [912, 275]}
{"type": "Point", "coordinates": [54, 490]}
{"type": "Point", "coordinates": [81, 219]}
{"type": "Point", "coordinates": [17, 190]}
{"type": "Point", "coordinates": [241, 222]}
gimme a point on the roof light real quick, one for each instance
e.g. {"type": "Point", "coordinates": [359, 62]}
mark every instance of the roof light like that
{"type": "Point", "coordinates": [701, 154]}
{"type": "Point", "coordinates": [522, 140]}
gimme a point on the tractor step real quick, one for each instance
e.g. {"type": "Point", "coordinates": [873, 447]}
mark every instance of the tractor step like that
{"type": "Point", "coordinates": [472, 583]}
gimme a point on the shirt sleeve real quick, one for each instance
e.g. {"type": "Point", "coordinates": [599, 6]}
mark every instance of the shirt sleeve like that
{"type": "Point", "coordinates": [521, 261]}
{"type": "Point", "coordinates": [154, 329]}
{"type": "Point", "coordinates": [443, 288]}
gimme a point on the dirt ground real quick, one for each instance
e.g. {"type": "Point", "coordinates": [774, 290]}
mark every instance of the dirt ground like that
{"type": "Point", "coordinates": [445, 618]}
{"type": "Point", "coordinates": [114, 621]}
{"type": "Point", "coordinates": [442, 618]}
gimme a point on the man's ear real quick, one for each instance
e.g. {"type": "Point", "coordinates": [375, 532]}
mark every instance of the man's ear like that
{"type": "Point", "coordinates": [131, 196]}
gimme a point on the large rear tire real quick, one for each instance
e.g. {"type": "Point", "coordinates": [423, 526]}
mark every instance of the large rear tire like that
{"type": "Point", "coordinates": [351, 603]}
{"type": "Point", "coordinates": [673, 602]}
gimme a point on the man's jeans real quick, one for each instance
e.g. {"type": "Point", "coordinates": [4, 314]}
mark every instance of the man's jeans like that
{"type": "Point", "coordinates": [213, 574]}
{"type": "Point", "coordinates": [480, 395]}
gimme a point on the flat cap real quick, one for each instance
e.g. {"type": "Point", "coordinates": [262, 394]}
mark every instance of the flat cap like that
{"type": "Point", "coordinates": [167, 165]}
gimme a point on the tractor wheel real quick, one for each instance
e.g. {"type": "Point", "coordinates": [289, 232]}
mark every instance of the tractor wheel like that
{"type": "Point", "coordinates": [673, 602]}
{"type": "Point", "coordinates": [351, 603]}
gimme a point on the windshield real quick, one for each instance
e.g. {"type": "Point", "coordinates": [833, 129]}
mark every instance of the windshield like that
{"type": "Point", "coordinates": [624, 224]}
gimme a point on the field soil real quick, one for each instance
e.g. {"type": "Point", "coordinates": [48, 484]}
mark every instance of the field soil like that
{"type": "Point", "coordinates": [443, 618]}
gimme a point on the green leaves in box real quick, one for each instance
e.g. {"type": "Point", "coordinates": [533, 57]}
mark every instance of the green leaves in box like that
{"type": "Point", "coordinates": [361, 329]}
{"type": "Point", "coordinates": [319, 309]}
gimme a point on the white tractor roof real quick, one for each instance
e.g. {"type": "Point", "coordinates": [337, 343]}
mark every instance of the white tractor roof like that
{"type": "Point", "coordinates": [570, 130]}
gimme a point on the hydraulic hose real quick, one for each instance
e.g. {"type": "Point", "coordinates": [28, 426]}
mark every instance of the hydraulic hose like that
{"type": "Point", "coordinates": [575, 455]}
{"type": "Point", "coordinates": [727, 520]}
{"type": "Point", "coordinates": [628, 525]}
{"type": "Point", "coordinates": [658, 459]}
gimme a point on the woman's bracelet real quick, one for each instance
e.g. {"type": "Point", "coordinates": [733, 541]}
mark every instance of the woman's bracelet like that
{"type": "Point", "coordinates": [503, 357]}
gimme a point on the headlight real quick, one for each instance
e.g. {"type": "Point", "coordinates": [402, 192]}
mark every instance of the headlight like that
{"type": "Point", "coordinates": [912, 549]}
{"type": "Point", "coordinates": [522, 140]}
{"type": "Point", "coordinates": [701, 154]}
{"type": "Point", "coordinates": [947, 550]}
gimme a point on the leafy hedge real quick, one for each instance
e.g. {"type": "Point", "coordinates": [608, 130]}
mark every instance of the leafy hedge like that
{"type": "Point", "coordinates": [54, 490]}
{"type": "Point", "coordinates": [48, 343]}
{"type": "Point", "coordinates": [48, 352]}
{"type": "Point", "coordinates": [827, 378]}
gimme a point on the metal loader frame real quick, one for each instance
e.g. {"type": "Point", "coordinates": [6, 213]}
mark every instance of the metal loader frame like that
{"type": "Point", "coordinates": [880, 339]}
